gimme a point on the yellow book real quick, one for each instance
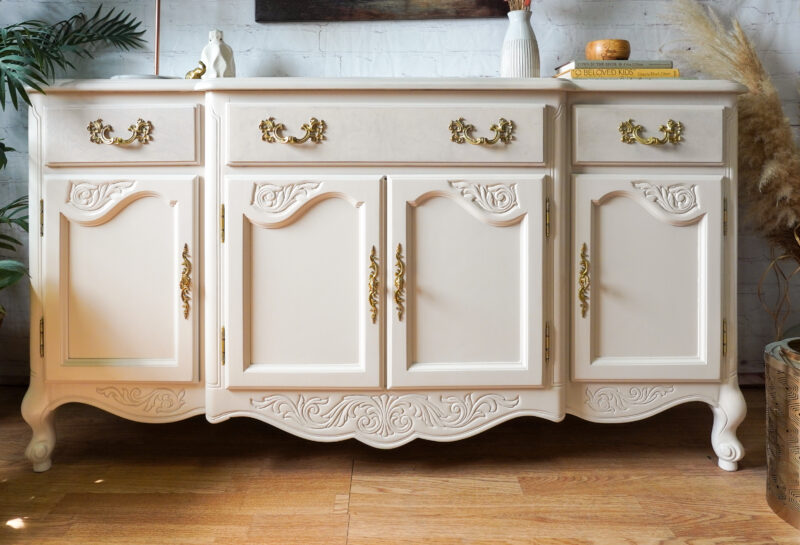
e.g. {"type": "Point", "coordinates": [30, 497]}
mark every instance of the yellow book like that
{"type": "Point", "coordinates": [620, 73]}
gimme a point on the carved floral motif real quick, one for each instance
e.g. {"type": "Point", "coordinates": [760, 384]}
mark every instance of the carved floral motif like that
{"type": "Point", "coordinates": [386, 415]}
{"type": "Point", "coordinates": [675, 199]}
{"type": "Point", "coordinates": [277, 198]}
{"type": "Point", "coordinates": [157, 400]}
{"type": "Point", "coordinates": [494, 198]}
{"type": "Point", "coordinates": [88, 196]}
{"type": "Point", "coordinates": [611, 399]}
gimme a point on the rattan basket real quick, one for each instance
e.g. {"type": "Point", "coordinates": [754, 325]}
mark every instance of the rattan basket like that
{"type": "Point", "coordinates": [783, 429]}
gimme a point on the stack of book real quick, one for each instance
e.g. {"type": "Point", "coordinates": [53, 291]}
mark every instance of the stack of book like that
{"type": "Point", "coordinates": [617, 70]}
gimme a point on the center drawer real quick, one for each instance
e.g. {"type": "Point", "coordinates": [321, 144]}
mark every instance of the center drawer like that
{"type": "Point", "coordinates": [384, 133]}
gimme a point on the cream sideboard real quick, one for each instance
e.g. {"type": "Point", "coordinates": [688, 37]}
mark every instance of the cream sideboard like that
{"type": "Point", "coordinates": [383, 259]}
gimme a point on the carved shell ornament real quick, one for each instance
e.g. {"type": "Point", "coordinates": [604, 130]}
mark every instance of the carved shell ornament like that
{"type": "Point", "coordinates": [675, 199]}
{"type": "Point", "coordinates": [88, 196]}
{"type": "Point", "coordinates": [278, 198]}
{"type": "Point", "coordinates": [493, 198]}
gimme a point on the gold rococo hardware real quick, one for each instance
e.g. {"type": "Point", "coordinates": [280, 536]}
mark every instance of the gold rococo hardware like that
{"type": "Point", "coordinates": [400, 283]}
{"type": "Point", "coordinates": [140, 132]}
{"type": "Point", "coordinates": [271, 132]}
{"type": "Point", "coordinates": [186, 281]}
{"type": "Point", "coordinates": [673, 133]}
{"type": "Point", "coordinates": [461, 132]}
{"type": "Point", "coordinates": [373, 284]}
{"type": "Point", "coordinates": [584, 281]}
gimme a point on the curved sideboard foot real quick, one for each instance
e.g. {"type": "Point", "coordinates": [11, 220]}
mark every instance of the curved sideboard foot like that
{"type": "Point", "coordinates": [728, 414]}
{"type": "Point", "coordinates": [40, 419]}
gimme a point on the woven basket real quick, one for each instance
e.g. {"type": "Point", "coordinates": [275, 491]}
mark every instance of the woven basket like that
{"type": "Point", "coordinates": [783, 429]}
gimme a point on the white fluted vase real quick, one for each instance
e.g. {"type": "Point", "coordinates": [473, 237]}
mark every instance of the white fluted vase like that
{"type": "Point", "coordinates": [520, 55]}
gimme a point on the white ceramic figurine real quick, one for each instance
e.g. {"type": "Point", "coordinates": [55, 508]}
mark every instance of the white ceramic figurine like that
{"type": "Point", "coordinates": [218, 57]}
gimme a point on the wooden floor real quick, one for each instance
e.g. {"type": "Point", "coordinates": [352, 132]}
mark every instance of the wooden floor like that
{"type": "Point", "coordinates": [527, 481]}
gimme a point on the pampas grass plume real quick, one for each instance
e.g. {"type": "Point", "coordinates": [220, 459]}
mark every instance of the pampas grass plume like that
{"type": "Point", "coordinates": [769, 159]}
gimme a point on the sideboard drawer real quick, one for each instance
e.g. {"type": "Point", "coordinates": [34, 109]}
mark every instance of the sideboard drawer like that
{"type": "Point", "coordinates": [102, 134]}
{"type": "Point", "coordinates": [648, 134]}
{"type": "Point", "coordinates": [384, 133]}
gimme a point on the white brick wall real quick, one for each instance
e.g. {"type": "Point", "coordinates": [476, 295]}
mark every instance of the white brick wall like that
{"type": "Point", "coordinates": [405, 48]}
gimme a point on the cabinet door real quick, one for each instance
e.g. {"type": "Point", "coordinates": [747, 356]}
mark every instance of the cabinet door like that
{"type": "Point", "coordinates": [647, 277]}
{"type": "Point", "coordinates": [302, 281]}
{"type": "Point", "coordinates": [467, 257]}
{"type": "Point", "coordinates": [121, 274]}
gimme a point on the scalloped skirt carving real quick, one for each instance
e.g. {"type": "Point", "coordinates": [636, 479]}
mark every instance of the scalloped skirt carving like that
{"type": "Point", "coordinates": [386, 420]}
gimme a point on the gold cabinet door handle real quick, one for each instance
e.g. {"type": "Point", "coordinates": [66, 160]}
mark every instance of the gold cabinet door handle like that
{"type": "Point", "coordinates": [186, 281]}
{"type": "Point", "coordinates": [461, 132]}
{"type": "Point", "coordinates": [584, 281]}
{"type": "Point", "coordinates": [673, 133]}
{"type": "Point", "coordinates": [272, 132]}
{"type": "Point", "coordinates": [373, 285]}
{"type": "Point", "coordinates": [99, 133]}
{"type": "Point", "coordinates": [399, 283]}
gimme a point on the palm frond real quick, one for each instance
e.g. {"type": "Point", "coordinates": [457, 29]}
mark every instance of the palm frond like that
{"type": "Point", "coordinates": [15, 213]}
{"type": "Point", "coordinates": [3, 150]}
{"type": "Point", "coordinates": [32, 51]}
{"type": "Point", "coordinates": [11, 272]}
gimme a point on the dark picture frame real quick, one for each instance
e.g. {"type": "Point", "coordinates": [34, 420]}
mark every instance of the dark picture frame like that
{"type": "Point", "coordinates": [280, 11]}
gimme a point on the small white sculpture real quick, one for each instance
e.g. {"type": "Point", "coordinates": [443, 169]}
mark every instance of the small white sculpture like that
{"type": "Point", "coordinates": [218, 57]}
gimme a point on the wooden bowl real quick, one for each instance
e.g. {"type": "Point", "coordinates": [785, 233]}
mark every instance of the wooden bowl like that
{"type": "Point", "coordinates": [608, 50]}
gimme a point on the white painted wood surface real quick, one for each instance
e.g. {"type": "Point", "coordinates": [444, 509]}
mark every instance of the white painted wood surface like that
{"type": "Point", "coordinates": [655, 263]}
{"type": "Point", "coordinates": [173, 140]}
{"type": "Point", "coordinates": [492, 327]}
{"type": "Point", "coordinates": [113, 260]}
{"type": "Point", "coordinates": [473, 253]}
{"type": "Point", "coordinates": [297, 258]}
{"type": "Point", "coordinates": [358, 134]}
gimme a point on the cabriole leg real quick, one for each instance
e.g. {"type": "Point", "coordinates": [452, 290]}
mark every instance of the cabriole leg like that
{"type": "Point", "coordinates": [40, 419]}
{"type": "Point", "coordinates": [728, 414]}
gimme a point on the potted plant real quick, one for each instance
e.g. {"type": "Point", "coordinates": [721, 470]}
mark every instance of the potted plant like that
{"type": "Point", "coordinates": [30, 54]}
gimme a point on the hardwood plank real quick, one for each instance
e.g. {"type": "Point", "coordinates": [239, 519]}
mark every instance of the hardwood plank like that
{"type": "Point", "coordinates": [297, 530]}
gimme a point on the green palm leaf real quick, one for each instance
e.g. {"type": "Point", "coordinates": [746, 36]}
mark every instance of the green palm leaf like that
{"type": "Point", "coordinates": [11, 272]}
{"type": "Point", "coordinates": [32, 51]}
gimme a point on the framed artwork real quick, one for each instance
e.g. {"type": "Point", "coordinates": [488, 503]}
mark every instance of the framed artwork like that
{"type": "Point", "coordinates": [271, 11]}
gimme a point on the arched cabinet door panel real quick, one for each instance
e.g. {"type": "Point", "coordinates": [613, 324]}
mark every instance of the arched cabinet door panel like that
{"type": "Point", "coordinates": [121, 276]}
{"type": "Point", "coordinates": [302, 281]}
{"type": "Point", "coordinates": [647, 264]}
{"type": "Point", "coordinates": [467, 303]}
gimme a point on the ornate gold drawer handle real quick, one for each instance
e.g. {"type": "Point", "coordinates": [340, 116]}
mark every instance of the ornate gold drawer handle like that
{"type": "Point", "coordinates": [461, 131]}
{"type": "Point", "coordinates": [400, 283]}
{"type": "Point", "coordinates": [373, 284]}
{"type": "Point", "coordinates": [673, 133]}
{"type": "Point", "coordinates": [186, 281]}
{"type": "Point", "coordinates": [140, 132]}
{"type": "Point", "coordinates": [584, 281]}
{"type": "Point", "coordinates": [272, 132]}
